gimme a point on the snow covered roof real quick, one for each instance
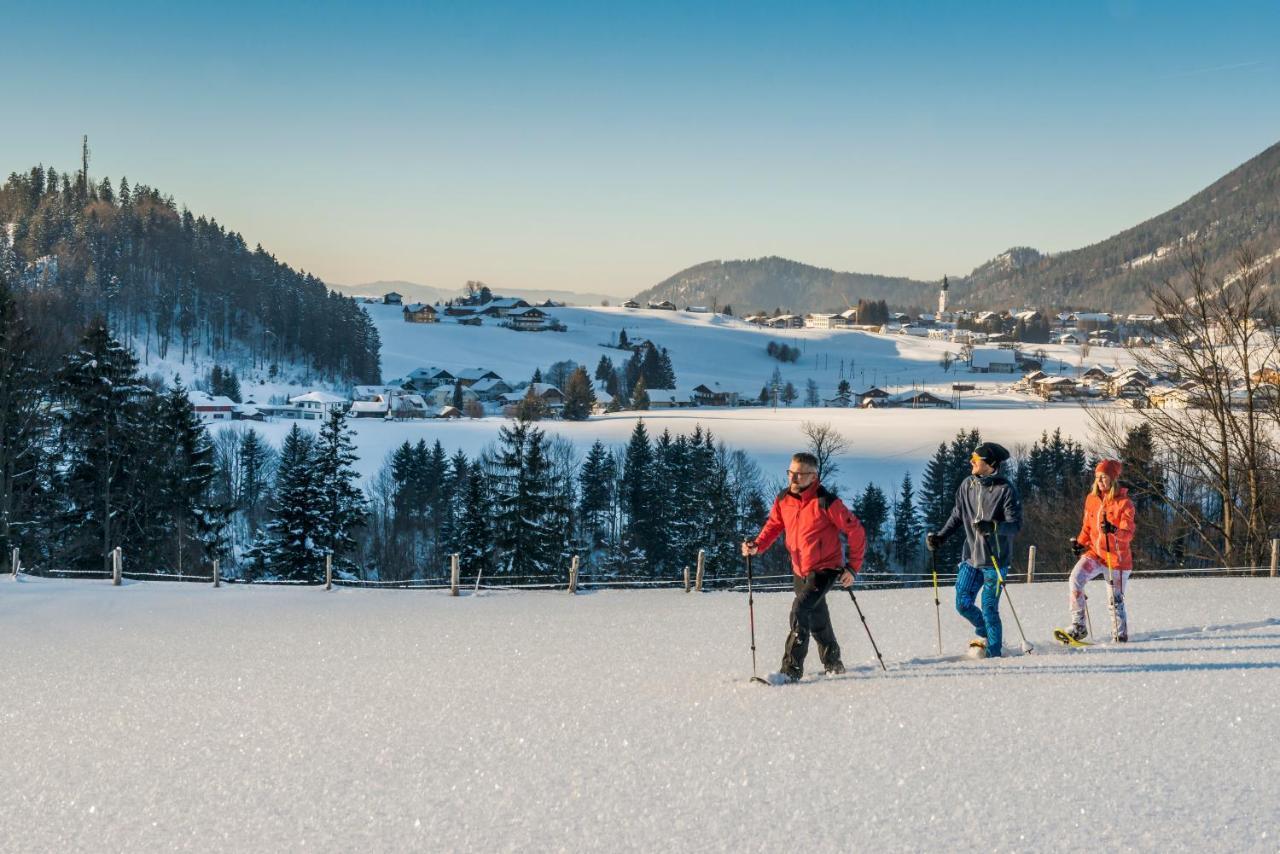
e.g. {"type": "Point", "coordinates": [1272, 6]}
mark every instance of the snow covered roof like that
{"type": "Point", "coordinates": [201, 400]}
{"type": "Point", "coordinates": [987, 358]}
{"type": "Point", "coordinates": [322, 397]}
{"type": "Point", "coordinates": [489, 385]}
{"type": "Point", "coordinates": [477, 374]}
{"type": "Point", "coordinates": [369, 406]}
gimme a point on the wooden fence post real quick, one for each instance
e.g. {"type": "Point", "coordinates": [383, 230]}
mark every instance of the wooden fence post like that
{"type": "Point", "coordinates": [1275, 553]}
{"type": "Point", "coordinates": [1031, 564]}
{"type": "Point", "coordinates": [217, 582]}
{"type": "Point", "coordinates": [686, 579]}
{"type": "Point", "coordinates": [115, 566]}
{"type": "Point", "coordinates": [16, 563]}
{"type": "Point", "coordinates": [702, 557]}
{"type": "Point", "coordinates": [573, 575]}
{"type": "Point", "coordinates": [453, 574]}
{"type": "Point", "coordinates": [328, 572]}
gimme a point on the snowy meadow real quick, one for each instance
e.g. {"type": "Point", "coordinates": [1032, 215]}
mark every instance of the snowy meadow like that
{"type": "Point", "coordinates": [173, 716]}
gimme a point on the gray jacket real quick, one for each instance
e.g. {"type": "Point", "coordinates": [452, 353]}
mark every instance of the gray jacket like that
{"type": "Point", "coordinates": [980, 498]}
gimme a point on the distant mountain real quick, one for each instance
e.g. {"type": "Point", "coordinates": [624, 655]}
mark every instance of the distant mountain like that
{"type": "Point", "coordinates": [1243, 208]}
{"type": "Point", "coordinates": [768, 283]}
{"type": "Point", "coordinates": [429, 293]}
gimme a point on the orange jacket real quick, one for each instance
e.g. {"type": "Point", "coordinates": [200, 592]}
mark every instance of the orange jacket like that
{"type": "Point", "coordinates": [813, 521]}
{"type": "Point", "coordinates": [1119, 512]}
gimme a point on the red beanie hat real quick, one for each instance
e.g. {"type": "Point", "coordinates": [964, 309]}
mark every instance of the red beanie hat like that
{"type": "Point", "coordinates": [1111, 468]}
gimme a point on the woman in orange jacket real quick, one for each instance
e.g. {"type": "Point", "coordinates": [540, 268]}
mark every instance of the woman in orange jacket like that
{"type": "Point", "coordinates": [1104, 544]}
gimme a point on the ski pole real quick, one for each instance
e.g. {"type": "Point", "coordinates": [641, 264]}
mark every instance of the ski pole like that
{"type": "Point", "coordinates": [868, 628]}
{"type": "Point", "coordinates": [1000, 585]}
{"type": "Point", "coordinates": [751, 612]}
{"type": "Point", "coordinates": [1111, 585]}
{"type": "Point", "coordinates": [937, 606]}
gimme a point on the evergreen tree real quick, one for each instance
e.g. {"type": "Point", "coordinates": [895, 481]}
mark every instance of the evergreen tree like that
{"type": "Point", "coordinates": [23, 426]}
{"type": "Point", "coordinates": [637, 496]}
{"type": "Point", "coordinates": [457, 395]}
{"type": "Point", "coordinates": [182, 460]}
{"type": "Point", "coordinates": [603, 369]}
{"type": "Point", "coordinates": [623, 343]}
{"type": "Point", "coordinates": [537, 375]}
{"type": "Point", "coordinates": [102, 399]}
{"type": "Point", "coordinates": [872, 509]}
{"type": "Point", "coordinates": [789, 393]}
{"type": "Point", "coordinates": [579, 397]}
{"type": "Point", "coordinates": [906, 526]}
{"type": "Point", "coordinates": [596, 482]}
{"type": "Point", "coordinates": [341, 502]}
{"type": "Point", "coordinates": [474, 536]}
{"type": "Point", "coordinates": [811, 393]}
{"type": "Point", "coordinates": [522, 491]}
{"type": "Point", "coordinates": [255, 461]}
{"type": "Point", "coordinates": [290, 547]}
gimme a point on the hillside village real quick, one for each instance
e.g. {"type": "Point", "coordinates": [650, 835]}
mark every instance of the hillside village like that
{"type": "Point", "coordinates": [996, 349]}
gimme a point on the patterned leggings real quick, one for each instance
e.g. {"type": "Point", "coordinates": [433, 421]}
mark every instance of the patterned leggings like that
{"type": "Point", "coordinates": [1088, 568]}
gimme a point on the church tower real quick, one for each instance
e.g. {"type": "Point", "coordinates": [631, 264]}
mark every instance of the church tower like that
{"type": "Point", "coordinates": [942, 297]}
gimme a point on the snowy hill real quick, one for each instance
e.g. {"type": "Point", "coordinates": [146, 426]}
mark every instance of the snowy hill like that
{"type": "Point", "coordinates": [287, 719]}
{"type": "Point", "coordinates": [729, 354]}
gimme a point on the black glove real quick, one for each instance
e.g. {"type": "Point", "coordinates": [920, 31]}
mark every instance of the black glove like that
{"type": "Point", "coordinates": [1107, 527]}
{"type": "Point", "coordinates": [932, 541]}
{"type": "Point", "coordinates": [985, 527]}
{"type": "Point", "coordinates": [1077, 548]}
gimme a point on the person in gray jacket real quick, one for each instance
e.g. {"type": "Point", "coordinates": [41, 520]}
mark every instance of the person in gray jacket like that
{"type": "Point", "coordinates": [989, 510]}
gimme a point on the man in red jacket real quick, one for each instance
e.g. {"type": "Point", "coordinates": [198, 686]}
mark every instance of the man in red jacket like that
{"type": "Point", "coordinates": [812, 519]}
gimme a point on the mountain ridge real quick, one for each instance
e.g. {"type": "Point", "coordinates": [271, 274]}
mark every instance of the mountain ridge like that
{"type": "Point", "coordinates": [1241, 209]}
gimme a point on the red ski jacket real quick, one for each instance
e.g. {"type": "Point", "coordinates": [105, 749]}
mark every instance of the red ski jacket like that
{"type": "Point", "coordinates": [813, 521]}
{"type": "Point", "coordinates": [1119, 512]}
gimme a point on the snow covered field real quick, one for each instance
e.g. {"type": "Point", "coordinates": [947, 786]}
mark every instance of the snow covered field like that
{"type": "Point", "coordinates": [171, 716]}
{"type": "Point", "coordinates": [714, 349]}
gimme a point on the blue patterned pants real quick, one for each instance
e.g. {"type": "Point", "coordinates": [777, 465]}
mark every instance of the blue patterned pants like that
{"type": "Point", "coordinates": [986, 622]}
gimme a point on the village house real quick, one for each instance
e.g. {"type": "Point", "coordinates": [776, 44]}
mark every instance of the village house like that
{"type": "Point", "coordinates": [408, 407]}
{"type": "Point", "coordinates": [314, 405]}
{"type": "Point", "coordinates": [994, 361]}
{"type": "Point", "coordinates": [392, 298]}
{"type": "Point", "coordinates": [1061, 387]}
{"type": "Point", "coordinates": [914, 399]}
{"type": "Point", "coordinates": [550, 396]}
{"type": "Point", "coordinates": [872, 393]}
{"type": "Point", "coordinates": [631, 304]}
{"type": "Point", "coordinates": [502, 307]}
{"type": "Point", "coordinates": [663, 305]}
{"type": "Point", "coordinates": [490, 390]}
{"type": "Point", "coordinates": [443, 394]}
{"type": "Point", "coordinates": [823, 321]}
{"type": "Point", "coordinates": [528, 320]}
{"type": "Point", "coordinates": [425, 379]}
{"type": "Point", "coordinates": [420, 312]}
{"type": "Point", "coordinates": [212, 407]}
{"type": "Point", "coordinates": [703, 395]}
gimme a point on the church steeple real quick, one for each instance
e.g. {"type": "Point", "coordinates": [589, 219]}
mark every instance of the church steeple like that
{"type": "Point", "coordinates": [942, 296]}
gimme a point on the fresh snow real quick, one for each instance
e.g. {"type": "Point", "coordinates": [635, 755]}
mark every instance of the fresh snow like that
{"type": "Point", "coordinates": [176, 716]}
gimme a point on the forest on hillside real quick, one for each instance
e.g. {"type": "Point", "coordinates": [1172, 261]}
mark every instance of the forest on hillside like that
{"type": "Point", "coordinates": [171, 282]}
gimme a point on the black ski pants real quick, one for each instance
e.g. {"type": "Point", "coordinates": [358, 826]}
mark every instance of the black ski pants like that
{"type": "Point", "coordinates": [809, 616]}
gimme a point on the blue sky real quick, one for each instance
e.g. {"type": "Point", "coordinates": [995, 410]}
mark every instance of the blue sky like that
{"type": "Point", "coordinates": [603, 147]}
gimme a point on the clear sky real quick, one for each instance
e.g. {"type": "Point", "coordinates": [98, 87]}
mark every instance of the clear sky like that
{"type": "Point", "coordinates": [602, 146]}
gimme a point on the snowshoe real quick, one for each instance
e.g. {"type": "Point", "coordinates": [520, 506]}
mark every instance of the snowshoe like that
{"type": "Point", "coordinates": [1071, 638]}
{"type": "Point", "coordinates": [782, 678]}
{"type": "Point", "coordinates": [978, 648]}
{"type": "Point", "coordinates": [836, 669]}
